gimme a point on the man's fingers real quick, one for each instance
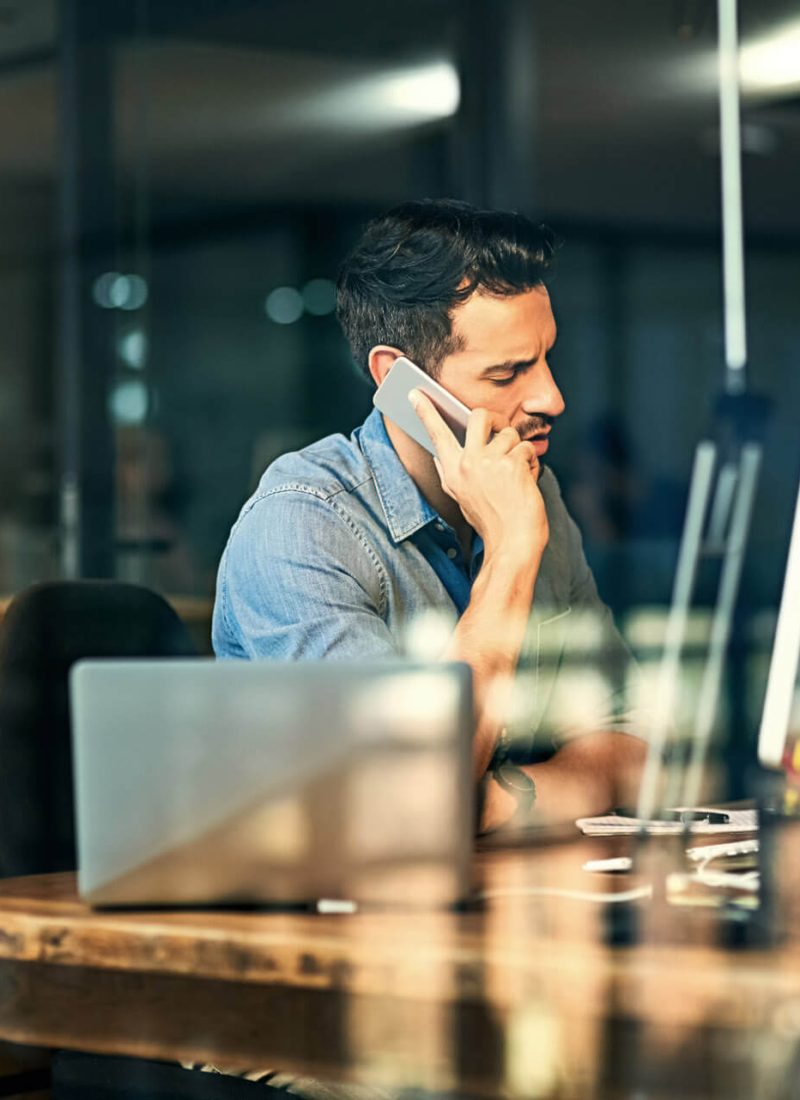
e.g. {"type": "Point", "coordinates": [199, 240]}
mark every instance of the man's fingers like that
{"type": "Point", "coordinates": [442, 437]}
{"type": "Point", "coordinates": [479, 428]}
{"type": "Point", "coordinates": [506, 440]}
{"type": "Point", "coordinates": [527, 451]}
{"type": "Point", "coordinates": [440, 472]}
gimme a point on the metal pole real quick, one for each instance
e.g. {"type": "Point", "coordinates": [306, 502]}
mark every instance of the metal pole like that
{"type": "Point", "coordinates": [723, 618]}
{"type": "Point", "coordinates": [87, 237]}
{"type": "Point", "coordinates": [669, 671]}
{"type": "Point", "coordinates": [494, 142]}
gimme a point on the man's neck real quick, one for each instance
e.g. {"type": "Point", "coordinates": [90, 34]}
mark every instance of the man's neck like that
{"type": "Point", "coordinates": [419, 466]}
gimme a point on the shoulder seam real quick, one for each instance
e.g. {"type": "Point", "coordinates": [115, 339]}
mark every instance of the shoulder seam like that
{"type": "Point", "coordinates": [355, 530]}
{"type": "Point", "coordinates": [383, 580]}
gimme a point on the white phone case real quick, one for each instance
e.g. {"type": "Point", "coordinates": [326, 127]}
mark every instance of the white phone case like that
{"type": "Point", "coordinates": [391, 398]}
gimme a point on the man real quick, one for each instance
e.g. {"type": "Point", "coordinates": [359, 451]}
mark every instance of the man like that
{"type": "Point", "coordinates": [345, 542]}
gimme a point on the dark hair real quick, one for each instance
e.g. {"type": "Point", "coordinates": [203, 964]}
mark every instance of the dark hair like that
{"type": "Point", "coordinates": [416, 263]}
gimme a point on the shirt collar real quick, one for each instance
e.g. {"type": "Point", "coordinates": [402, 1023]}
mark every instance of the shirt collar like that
{"type": "Point", "coordinates": [405, 508]}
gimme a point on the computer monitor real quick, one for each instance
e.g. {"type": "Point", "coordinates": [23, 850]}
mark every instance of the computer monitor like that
{"type": "Point", "coordinates": [780, 720]}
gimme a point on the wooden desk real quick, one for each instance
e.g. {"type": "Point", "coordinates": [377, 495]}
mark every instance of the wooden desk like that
{"type": "Point", "coordinates": [521, 998]}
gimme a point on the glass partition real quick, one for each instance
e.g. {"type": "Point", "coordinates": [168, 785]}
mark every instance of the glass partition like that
{"type": "Point", "coordinates": [180, 182]}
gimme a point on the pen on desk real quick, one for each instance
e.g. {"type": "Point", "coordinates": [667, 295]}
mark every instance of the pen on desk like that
{"type": "Point", "coordinates": [687, 817]}
{"type": "Point", "coordinates": [705, 817]}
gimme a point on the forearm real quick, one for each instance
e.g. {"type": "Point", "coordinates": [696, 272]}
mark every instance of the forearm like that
{"type": "Point", "coordinates": [589, 775]}
{"type": "Point", "coordinates": [489, 637]}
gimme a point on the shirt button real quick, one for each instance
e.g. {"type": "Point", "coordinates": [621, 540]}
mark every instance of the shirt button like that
{"type": "Point", "coordinates": [452, 553]}
{"type": "Point", "coordinates": [439, 526]}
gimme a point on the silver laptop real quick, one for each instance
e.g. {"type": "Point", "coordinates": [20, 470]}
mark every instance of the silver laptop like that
{"type": "Point", "coordinates": [205, 782]}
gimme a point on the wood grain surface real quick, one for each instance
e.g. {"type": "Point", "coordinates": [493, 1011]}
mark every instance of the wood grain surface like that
{"type": "Point", "coordinates": [434, 999]}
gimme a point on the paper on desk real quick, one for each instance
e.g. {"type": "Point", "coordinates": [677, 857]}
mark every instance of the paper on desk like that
{"type": "Point", "coordinates": [741, 821]}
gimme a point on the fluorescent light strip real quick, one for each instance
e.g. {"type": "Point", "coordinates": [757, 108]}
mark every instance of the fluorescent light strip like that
{"type": "Point", "coordinates": [732, 235]}
{"type": "Point", "coordinates": [773, 62]}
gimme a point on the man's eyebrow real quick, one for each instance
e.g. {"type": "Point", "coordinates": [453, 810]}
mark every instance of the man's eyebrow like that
{"type": "Point", "coordinates": [514, 364]}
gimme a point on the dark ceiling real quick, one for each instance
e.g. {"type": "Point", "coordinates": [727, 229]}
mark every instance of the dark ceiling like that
{"type": "Point", "coordinates": [222, 99]}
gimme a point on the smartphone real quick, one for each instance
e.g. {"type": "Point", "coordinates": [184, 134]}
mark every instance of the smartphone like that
{"type": "Point", "coordinates": [391, 397]}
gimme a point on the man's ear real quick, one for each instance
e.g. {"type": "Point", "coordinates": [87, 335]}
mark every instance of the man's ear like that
{"type": "Point", "coordinates": [381, 358]}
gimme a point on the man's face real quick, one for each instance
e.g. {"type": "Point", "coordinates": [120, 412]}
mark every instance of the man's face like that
{"type": "Point", "coordinates": [503, 365]}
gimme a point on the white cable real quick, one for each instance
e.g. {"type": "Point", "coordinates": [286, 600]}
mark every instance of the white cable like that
{"type": "Point", "coordinates": [742, 880]}
{"type": "Point", "coordinates": [558, 892]}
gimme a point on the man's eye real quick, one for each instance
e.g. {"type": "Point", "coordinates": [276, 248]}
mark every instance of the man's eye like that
{"type": "Point", "coordinates": [504, 381]}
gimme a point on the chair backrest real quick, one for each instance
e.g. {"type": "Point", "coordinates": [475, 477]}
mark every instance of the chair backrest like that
{"type": "Point", "coordinates": [47, 628]}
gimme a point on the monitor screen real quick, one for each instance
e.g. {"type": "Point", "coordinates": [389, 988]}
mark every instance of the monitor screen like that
{"type": "Point", "coordinates": [780, 719]}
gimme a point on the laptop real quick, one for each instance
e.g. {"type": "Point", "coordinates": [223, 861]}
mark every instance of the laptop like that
{"type": "Point", "coordinates": [202, 782]}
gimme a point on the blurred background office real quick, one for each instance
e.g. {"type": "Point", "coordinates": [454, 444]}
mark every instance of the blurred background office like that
{"type": "Point", "coordinates": [180, 178]}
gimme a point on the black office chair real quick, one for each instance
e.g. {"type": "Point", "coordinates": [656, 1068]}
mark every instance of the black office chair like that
{"type": "Point", "coordinates": [47, 628]}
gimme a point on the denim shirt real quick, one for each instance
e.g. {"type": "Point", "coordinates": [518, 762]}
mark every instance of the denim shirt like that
{"type": "Point", "coordinates": [337, 554]}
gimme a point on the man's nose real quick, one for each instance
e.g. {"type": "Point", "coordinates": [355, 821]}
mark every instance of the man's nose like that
{"type": "Point", "coordinates": [544, 396]}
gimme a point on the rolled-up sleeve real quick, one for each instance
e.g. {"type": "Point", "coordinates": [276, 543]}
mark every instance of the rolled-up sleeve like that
{"type": "Point", "coordinates": [299, 580]}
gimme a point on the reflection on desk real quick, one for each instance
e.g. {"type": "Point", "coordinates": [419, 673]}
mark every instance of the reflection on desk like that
{"type": "Point", "coordinates": [522, 996]}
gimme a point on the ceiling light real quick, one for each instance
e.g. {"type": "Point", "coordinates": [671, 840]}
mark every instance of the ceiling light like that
{"type": "Point", "coordinates": [430, 91]}
{"type": "Point", "coordinates": [773, 61]}
{"type": "Point", "coordinates": [380, 99]}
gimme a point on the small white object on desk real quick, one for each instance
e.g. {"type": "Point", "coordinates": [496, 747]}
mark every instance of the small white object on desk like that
{"type": "Point", "coordinates": [336, 905]}
{"type": "Point", "coordinates": [618, 863]}
{"type": "Point", "coordinates": [708, 852]}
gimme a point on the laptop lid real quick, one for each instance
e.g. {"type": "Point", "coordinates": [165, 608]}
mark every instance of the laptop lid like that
{"type": "Point", "coordinates": [207, 782]}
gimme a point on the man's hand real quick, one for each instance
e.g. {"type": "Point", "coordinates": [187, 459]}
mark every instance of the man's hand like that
{"type": "Point", "coordinates": [586, 776]}
{"type": "Point", "coordinates": [493, 478]}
